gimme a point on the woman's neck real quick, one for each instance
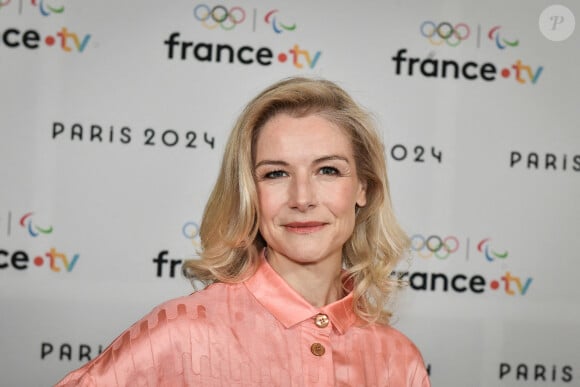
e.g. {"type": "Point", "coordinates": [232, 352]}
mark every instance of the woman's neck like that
{"type": "Point", "coordinates": [319, 283]}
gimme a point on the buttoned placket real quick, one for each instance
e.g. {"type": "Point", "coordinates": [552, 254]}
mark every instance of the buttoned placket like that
{"type": "Point", "coordinates": [317, 355]}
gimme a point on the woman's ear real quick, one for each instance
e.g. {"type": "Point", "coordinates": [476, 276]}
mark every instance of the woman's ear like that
{"type": "Point", "coordinates": [361, 198]}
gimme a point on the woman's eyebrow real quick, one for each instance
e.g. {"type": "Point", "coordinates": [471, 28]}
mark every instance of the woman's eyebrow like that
{"type": "Point", "coordinates": [331, 158]}
{"type": "Point", "coordinates": [317, 161]}
{"type": "Point", "coordinates": [271, 162]}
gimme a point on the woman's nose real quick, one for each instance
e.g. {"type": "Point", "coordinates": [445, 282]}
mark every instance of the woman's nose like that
{"type": "Point", "coordinates": [302, 193]}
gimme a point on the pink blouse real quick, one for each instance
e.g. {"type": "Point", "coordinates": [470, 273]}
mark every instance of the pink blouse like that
{"type": "Point", "coordinates": [257, 333]}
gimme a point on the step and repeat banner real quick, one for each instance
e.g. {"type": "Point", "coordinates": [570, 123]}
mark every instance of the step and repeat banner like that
{"type": "Point", "coordinates": [113, 120]}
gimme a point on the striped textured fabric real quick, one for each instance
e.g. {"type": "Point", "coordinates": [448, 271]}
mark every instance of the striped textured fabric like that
{"type": "Point", "coordinates": [257, 333]}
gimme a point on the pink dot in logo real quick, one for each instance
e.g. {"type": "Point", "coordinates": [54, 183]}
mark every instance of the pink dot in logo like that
{"type": "Point", "coordinates": [505, 72]}
{"type": "Point", "coordinates": [282, 57]}
{"type": "Point", "coordinates": [494, 285]}
{"type": "Point", "coordinates": [38, 261]}
{"type": "Point", "coordinates": [49, 40]}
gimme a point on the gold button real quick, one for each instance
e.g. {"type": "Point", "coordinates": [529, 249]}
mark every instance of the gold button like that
{"type": "Point", "coordinates": [317, 349]}
{"type": "Point", "coordinates": [321, 320]}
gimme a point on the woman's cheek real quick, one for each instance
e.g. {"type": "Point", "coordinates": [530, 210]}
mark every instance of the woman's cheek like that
{"type": "Point", "coordinates": [271, 196]}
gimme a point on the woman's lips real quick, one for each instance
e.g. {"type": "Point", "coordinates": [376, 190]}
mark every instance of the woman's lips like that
{"type": "Point", "coordinates": [304, 227]}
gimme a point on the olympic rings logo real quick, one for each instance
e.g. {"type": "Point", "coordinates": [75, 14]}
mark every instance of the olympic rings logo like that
{"type": "Point", "coordinates": [190, 230]}
{"type": "Point", "coordinates": [445, 32]}
{"type": "Point", "coordinates": [434, 246]}
{"type": "Point", "coordinates": [219, 15]}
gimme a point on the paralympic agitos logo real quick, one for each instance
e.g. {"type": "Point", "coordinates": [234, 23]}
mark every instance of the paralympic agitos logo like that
{"type": "Point", "coordinates": [445, 34]}
{"type": "Point", "coordinates": [45, 8]}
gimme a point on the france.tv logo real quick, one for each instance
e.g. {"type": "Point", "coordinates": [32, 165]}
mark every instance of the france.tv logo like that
{"type": "Point", "coordinates": [21, 259]}
{"type": "Point", "coordinates": [431, 67]}
{"type": "Point", "coordinates": [222, 18]}
{"type": "Point", "coordinates": [64, 38]}
{"type": "Point", "coordinates": [447, 34]}
{"type": "Point", "coordinates": [224, 53]}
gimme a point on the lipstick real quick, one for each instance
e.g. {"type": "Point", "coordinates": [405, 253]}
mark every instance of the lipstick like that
{"type": "Point", "coordinates": [304, 227]}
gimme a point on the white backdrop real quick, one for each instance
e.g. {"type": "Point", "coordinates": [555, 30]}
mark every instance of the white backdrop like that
{"type": "Point", "coordinates": [113, 122]}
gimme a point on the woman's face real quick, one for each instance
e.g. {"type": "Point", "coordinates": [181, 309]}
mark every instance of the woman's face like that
{"type": "Point", "coordinates": [307, 187]}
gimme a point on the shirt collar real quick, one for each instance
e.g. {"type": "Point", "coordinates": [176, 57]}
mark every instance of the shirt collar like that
{"type": "Point", "coordinates": [289, 307]}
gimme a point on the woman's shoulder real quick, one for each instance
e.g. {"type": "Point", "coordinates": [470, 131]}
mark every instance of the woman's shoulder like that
{"type": "Point", "coordinates": [157, 340]}
{"type": "Point", "coordinates": [197, 305]}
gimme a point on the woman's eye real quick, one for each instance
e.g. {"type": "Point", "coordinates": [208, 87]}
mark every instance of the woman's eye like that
{"type": "Point", "coordinates": [329, 171]}
{"type": "Point", "coordinates": [274, 174]}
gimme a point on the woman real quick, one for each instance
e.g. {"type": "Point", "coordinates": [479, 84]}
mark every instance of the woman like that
{"type": "Point", "coordinates": [298, 243]}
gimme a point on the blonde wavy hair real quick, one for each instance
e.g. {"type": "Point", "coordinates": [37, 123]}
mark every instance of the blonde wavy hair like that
{"type": "Point", "coordinates": [230, 239]}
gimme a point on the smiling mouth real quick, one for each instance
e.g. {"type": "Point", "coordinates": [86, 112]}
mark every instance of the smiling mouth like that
{"type": "Point", "coordinates": [304, 227]}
